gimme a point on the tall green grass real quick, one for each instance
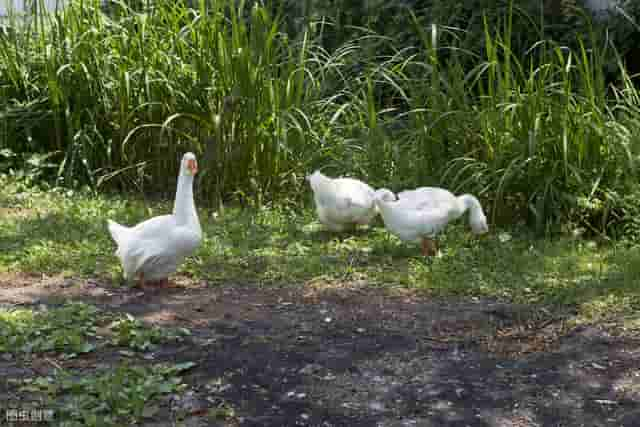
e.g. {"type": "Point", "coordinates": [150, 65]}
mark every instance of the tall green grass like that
{"type": "Point", "coordinates": [541, 137]}
{"type": "Point", "coordinates": [118, 97]}
{"type": "Point", "coordinates": [124, 95]}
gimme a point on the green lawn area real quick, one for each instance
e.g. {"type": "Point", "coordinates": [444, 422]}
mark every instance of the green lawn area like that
{"type": "Point", "coordinates": [64, 232]}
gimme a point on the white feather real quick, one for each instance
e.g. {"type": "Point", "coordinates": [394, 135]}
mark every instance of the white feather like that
{"type": "Point", "coordinates": [342, 203]}
{"type": "Point", "coordinates": [158, 245]}
{"type": "Point", "coordinates": [426, 211]}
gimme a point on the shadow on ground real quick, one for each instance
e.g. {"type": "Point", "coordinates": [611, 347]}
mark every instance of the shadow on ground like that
{"type": "Point", "coordinates": [318, 355]}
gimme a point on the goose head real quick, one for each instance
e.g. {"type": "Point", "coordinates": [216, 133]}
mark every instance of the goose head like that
{"type": "Point", "coordinates": [382, 196]}
{"type": "Point", "coordinates": [478, 221]}
{"type": "Point", "coordinates": [189, 165]}
{"type": "Point", "coordinates": [477, 218]}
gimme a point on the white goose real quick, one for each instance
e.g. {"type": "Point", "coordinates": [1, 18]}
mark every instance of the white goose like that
{"type": "Point", "coordinates": [420, 214]}
{"type": "Point", "coordinates": [153, 249]}
{"type": "Point", "coordinates": [342, 203]}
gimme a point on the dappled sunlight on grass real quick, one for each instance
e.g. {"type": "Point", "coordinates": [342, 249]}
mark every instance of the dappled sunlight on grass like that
{"type": "Point", "coordinates": [276, 245]}
{"type": "Point", "coordinates": [604, 305]}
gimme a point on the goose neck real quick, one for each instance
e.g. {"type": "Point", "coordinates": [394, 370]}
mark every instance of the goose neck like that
{"type": "Point", "coordinates": [184, 206]}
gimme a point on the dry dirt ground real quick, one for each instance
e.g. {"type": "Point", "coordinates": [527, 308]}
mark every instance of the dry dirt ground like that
{"type": "Point", "coordinates": [348, 355]}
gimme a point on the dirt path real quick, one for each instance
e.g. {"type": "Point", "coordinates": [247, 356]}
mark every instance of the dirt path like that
{"type": "Point", "coordinates": [318, 355]}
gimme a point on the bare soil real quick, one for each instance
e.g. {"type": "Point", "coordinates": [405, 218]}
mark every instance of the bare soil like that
{"type": "Point", "coordinates": [327, 354]}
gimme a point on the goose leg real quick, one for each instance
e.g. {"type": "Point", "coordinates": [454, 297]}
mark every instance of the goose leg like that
{"type": "Point", "coordinates": [428, 247]}
{"type": "Point", "coordinates": [141, 282]}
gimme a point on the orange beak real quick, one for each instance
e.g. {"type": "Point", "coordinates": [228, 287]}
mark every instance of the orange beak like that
{"type": "Point", "coordinates": [192, 166]}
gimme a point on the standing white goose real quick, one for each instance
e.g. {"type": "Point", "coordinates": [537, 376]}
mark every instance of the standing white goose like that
{"type": "Point", "coordinates": [153, 249]}
{"type": "Point", "coordinates": [342, 203]}
{"type": "Point", "coordinates": [420, 214]}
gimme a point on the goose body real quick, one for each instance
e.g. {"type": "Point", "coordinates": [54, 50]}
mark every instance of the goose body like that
{"type": "Point", "coordinates": [420, 214]}
{"type": "Point", "coordinates": [154, 249]}
{"type": "Point", "coordinates": [342, 203]}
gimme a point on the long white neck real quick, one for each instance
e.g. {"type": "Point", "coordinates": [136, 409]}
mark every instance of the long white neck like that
{"type": "Point", "coordinates": [470, 203]}
{"type": "Point", "coordinates": [384, 208]}
{"type": "Point", "coordinates": [184, 207]}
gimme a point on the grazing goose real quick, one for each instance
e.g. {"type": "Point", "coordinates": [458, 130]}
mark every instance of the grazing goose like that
{"type": "Point", "coordinates": [420, 214]}
{"type": "Point", "coordinates": [153, 249]}
{"type": "Point", "coordinates": [343, 203]}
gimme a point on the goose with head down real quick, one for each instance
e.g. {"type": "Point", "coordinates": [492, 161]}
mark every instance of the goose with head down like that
{"type": "Point", "coordinates": [419, 215]}
{"type": "Point", "coordinates": [153, 249]}
{"type": "Point", "coordinates": [343, 203]}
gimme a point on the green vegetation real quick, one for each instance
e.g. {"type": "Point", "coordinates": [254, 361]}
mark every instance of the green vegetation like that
{"type": "Point", "coordinates": [71, 330]}
{"type": "Point", "coordinates": [131, 332]}
{"type": "Point", "coordinates": [96, 108]}
{"type": "Point", "coordinates": [118, 393]}
{"type": "Point", "coordinates": [68, 330]}
{"type": "Point", "coordinates": [123, 395]}
{"type": "Point", "coordinates": [272, 246]}
{"type": "Point", "coordinates": [279, 246]}
{"type": "Point", "coordinates": [111, 101]}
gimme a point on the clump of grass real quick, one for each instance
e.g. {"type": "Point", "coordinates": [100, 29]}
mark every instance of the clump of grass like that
{"type": "Point", "coordinates": [124, 394]}
{"type": "Point", "coordinates": [132, 333]}
{"type": "Point", "coordinates": [122, 94]}
{"type": "Point", "coordinates": [540, 136]}
{"type": "Point", "coordinates": [70, 330]}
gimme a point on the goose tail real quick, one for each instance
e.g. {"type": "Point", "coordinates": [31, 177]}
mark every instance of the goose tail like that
{"type": "Point", "coordinates": [118, 234]}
